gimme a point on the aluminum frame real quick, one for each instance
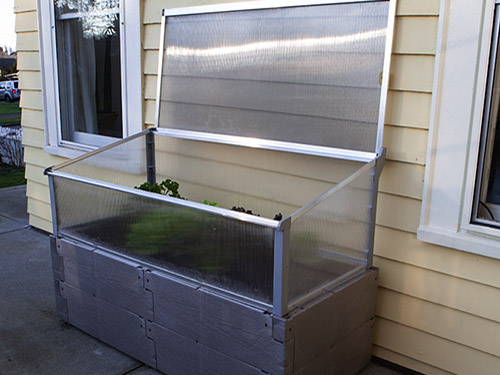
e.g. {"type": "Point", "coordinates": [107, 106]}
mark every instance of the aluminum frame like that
{"type": "Point", "coordinates": [262, 5]}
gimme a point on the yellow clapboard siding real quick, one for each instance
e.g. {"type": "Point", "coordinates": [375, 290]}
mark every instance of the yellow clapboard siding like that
{"type": "Point", "coordinates": [39, 208]}
{"type": "Point", "coordinates": [412, 73]}
{"type": "Point", "coordinates": [151, 36]}
{"type": "Point", "coordinates": [153, 8]}
{"type": "Point", "coordinates": [38, 191]}
{"type": "Point", "coordinates": [150, 112]}
{"type": "Point", "coordinates": [40, 223]}
{"type": "Point", "coordinates": [453, 292]}
{"type": "Point", "coordinates": [405, 144]}
{"type": "Point", "coordinates": [28, 61]}
{"type": "Point", "coordinates": [151, 62]}
{"type": "Point", "coordinates": [398, 212]}
{"type": "Point", "coordinates": [407, 362]}
{"type": "Point", "coordinates": [26, 21]}
{"type": "Point", "coordinates": [36, 156]}
{"type": "Point", "coordinates": [415, 35]}
{"type": "Point", "coordinates": [481, 334]}
{"type": "Point", "coordinates": [27, 41]}
{"type": "Point", "coordinates": [35, 172]}
{"type": "Point", "coordinates": [150, 85]}
{"type": "Point", "coordinates": [404, 247]}
{"type": "Point", "coordinates": [435, 351]}
{"type": "Point", "coordinates": [33, 137]}
{"type": "Point", "coordinates": [24, 5]}
{"type": "Point", "coordinates": [412, 109]}
{"type": "Point", "coordinates": [30, 80]}
{"type": "Point", "coordinates": [32, 118]}
{"type": "Point", "coordinates": [402, 179]}
{"type": "Point", "coordinates": [31, 100]}
{"type": "Point", "coordinates": [417, 7]}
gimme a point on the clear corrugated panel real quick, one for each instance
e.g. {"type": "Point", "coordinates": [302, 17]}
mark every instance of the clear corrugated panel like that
{"type": "Point", "coordinates": [123, 164]}
{"type": "Point", "coordinates": [233, 255]}
{"type": "Point", "coordinates": [304, 75]}
{"type": "Point", "coordinates": [331, 239]}
{"type": "Point", "coordinates": [266, 182]}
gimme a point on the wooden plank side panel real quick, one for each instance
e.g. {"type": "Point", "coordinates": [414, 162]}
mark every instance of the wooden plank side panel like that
{"type": "Point", "coordinates": [35, 172]}
{"type": "Point", "coordinates": [151, 40]}
{"type": "Point", "coordinates": [37, 157]}
{"type": "Point", "coordinates": [151, 62]}
{"type": "Point", "coordinates": [415, 35]}
{"type": "Point", "coordinates": [404, 247]}
{"type": "Point", "coordinates": [239, 331]}
{"type": "Point", "coordinates": [455, 293]}
{"type": "Point", "coordinates": [434, 351]}
{"type": "Point", "coordinates": [26, 22]}
{"type": "Point", "coordinates": [478, 333]}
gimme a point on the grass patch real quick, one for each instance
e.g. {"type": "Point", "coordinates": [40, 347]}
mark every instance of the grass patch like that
{"type": "Point", "coordinates": [10, 108]}
{"type": "Point", "coordinates": [10, 120]}
{"type": "Point", "coordinates": [11, 176]}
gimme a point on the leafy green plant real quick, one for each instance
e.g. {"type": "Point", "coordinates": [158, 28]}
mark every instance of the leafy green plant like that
{"type": "Point", "coordinates": [209, 203]}
{"type": "Point", "coordinates": [166, 187]}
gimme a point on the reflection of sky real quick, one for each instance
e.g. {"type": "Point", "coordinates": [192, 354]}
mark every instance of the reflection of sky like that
{"type": "Point", "coordinates": [272, 45]}
{"type": "Point", "coordinates": [97, 16]}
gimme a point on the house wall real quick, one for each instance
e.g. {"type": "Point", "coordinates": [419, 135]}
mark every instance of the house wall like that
{"type": "Point", "coordinates": [438, 309]}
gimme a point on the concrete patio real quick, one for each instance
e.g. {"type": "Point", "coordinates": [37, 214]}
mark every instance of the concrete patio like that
{"type": "Point", "coordinates": [32, 339]}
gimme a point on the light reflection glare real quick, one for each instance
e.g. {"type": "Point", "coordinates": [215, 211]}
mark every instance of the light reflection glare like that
{"type": "Point", "coordinates": [299, 44]}
{"type": "Point", "coordinates": [97, 16]}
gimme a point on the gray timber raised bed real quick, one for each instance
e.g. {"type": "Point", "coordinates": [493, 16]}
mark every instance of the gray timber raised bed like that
{"type": "Point", "coordinates": [278, 108]}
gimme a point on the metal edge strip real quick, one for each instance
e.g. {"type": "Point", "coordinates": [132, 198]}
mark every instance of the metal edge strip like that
{"type": "Point", "coordinates": [299, 148]}
{"type": "Point", "coordinates": [161, 54]}
{"type": "Point", "coordinates": [315, 202]}
{"type": "Point", "coordinates": [252, 5]}
{"type": "Point", "coordinates": [391, 20]}
{"type": "Point", "coordinates": [96, 151]}
{"type": "Point", "coordinates": [257, 220]}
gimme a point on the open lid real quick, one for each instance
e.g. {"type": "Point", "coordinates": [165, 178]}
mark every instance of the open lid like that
{"type": "Point", "coordinates": [303, 77]}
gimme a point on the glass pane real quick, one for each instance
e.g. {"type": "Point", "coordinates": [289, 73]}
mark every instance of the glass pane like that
{"type": "Point", "coordinates": [89, 73]}
{"type": "Point", "coordinates": [487, 198]}
{"type": "Point", "coordinates": [229, 254]}
{"type": "Point", "coordinates": [304, 75]}
{"type": "Point", "coordinates": [124, 164]}
{"type": "Point", "coordinates": [331, 239]}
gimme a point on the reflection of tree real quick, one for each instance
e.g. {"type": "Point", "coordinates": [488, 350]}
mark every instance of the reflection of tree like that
{"type": "Point", "coordinates": [97, 16]}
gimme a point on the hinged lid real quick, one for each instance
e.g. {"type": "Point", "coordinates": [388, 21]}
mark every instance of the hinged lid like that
{"type": "Point", "coordinates": [308, 76]}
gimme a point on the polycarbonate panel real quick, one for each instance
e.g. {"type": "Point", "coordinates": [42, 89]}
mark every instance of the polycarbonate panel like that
{"type": "Point", "coordinates": [301, 74]}
{"type": "Point", "coordinates": [332, 238]}
{"type": "Point", "coordinates": [233, 255]}
{"type": "Point", "coordinates": [123, 164]}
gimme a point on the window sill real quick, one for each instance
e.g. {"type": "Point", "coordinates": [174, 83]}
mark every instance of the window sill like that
{"type": "Point", "coordinates": [67, 151]}
{"type": "Point", "coordinates": [464, 240]}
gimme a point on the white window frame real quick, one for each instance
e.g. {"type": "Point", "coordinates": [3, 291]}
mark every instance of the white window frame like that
{"type": "Point", "coordinates": [131, 72]}
{"type": "Point", "coordinates": [460, 81]}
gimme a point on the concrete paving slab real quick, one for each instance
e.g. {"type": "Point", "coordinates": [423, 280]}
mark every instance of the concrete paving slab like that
{"type": "Point", "coordinates": [32, 339]}
{"type": "Point", "coordinates": [13, 204]}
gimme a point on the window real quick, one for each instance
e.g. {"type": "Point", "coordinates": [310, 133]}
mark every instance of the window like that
{"type": "Point", "coordinates": [91, 65]}
{"type": "Point", "coordinates": [460, 206]}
